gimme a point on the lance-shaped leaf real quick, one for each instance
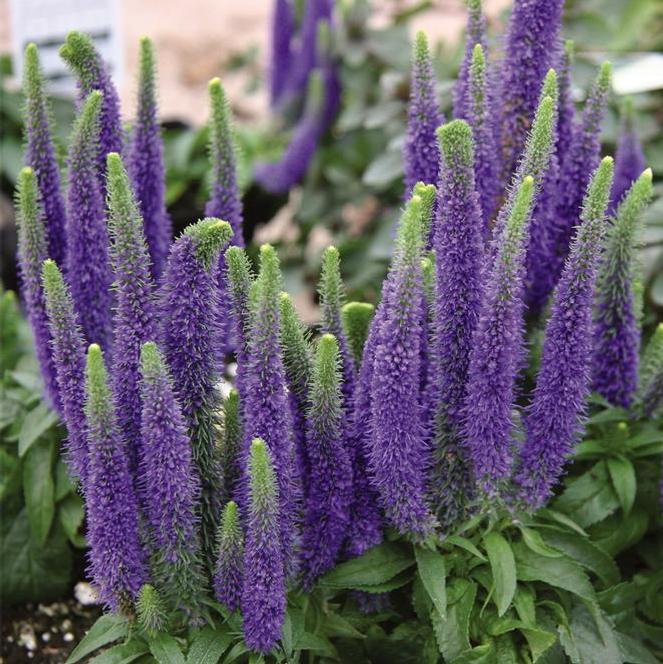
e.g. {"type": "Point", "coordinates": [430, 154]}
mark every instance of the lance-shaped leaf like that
{"type": "Point", "coordinates": [40, 153]}
{"type": "Point", "coordinates": [554, 418]}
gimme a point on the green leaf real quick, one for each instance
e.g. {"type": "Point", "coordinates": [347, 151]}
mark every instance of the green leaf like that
{"type": "Point", "coordinates": [615, 535]}
{"type": "Point", "coordinates": [377, 566]}
{"type": "Point", "coordinates": [336, 625]}
{"type": "Point", "coordinates": [105, 630]}
{"type": "Point", "coordinates": [63, 483]}
{"type": "Point", "coordinates": [589, 639]}
{"type": "Point", "coordinates": [452, 633]}
{"type": "Point", "coordinates": [393, 584]}
{"type": "Point", "coordinates": [464, 543]}
{"type": "Point", "coordinates": [634, 652]}
{"type": "Point", "coordinates": [207, 646]}
{"type": "Point", "coordinates": [166, 649]}
{"type": "Point", "coordinates": [235, 653]}
{"type": "Point", "coordinates": [433, 575]}
{"type": "Point", "coordinates": [10, 474]}
{"type": "Point", "coordinates": [539, 640]}
{"type": "Point", "coordinates": [37, 422]}
{"type": "Point", "coordinates": [622, 475]}
{"type": "Point", "coordinates": [316, 642]}
{"type": "Point", "coordinates": [39, 490]}
{"type": "Point", "coordinates": [584, 552]}
{"type": "Point", "coordinates": [386, 168]}
{"type": "Point", "coordinates": [71, 515]}
{"type": "Point", "coordinates": [562, 519]}
{"type": "Point", "coordinates": [534, 541]}
{"type": "Point", "coordinates": [590, 498]}
{"type": "Point", "coordinates": [557, 572]}
{"type": "Point", "coordinates": [122, 654]}
{"type": "Point", "coordinates": [503, 566]}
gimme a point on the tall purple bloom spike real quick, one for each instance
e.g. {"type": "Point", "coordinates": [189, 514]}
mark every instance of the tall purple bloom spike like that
{"type": "Point", "coordinates": [170, 487]}
{"type": "Point", "coordinates": [399, 455]}
{"type": "Point", "coordinates": [283, 28]}
{"type": "Point", "coordinates": [229, 569]}
{"type": "Point", "coordinates": [554, 418]}
{"type": "Point", "coordinates": [576, 167]}
{"type": "Point", "coordinates": [80, 54]}
{"type": "Point", "coordinates": [32, 251]}
{"type": "Point", "coordinates": [69, 360]}
{"type": "Point", "coordinates": [530, 49]}
{"type": "Point", "coordinates": [421, 155]}
{"type": "Point", "coordinates": [146, 165]}
{"type": "Point", "coordinates": [629, 158]}
{"type": "Point", "coordinates": [88, 268]}
{"type": "Point", "coordinates": [497, 354]}
{"type": "Point", "coordinates": [458, 243]}
{"type": "Point", "coordinates": [117, 561]}
{"type": "Point", "coordinates": [616, 329]}
{"type": "Point", "coordinates": [225, 201]}
{"type": "Point", "coordinates": [40, 154]}
{"type": "Point", "coordinates": [134, 319]}
{"type": "Point", "coordinates": [475, 35]}
{"type": "Point", "coordinates": [330, 482]}
{"type": "Point", "coordinates": [265, 405]}
{"type": "Point", "coordinates": [566, 116]}
{"type": "Point", "coordinates": [263, 595]}
{"type": "Point", "coordinates": [188, 302]}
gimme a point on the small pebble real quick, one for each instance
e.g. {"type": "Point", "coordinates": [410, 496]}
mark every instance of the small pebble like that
{"type": "Point", "coordinates": [85, 593]}
{"type": "Point", "coordinates": [27, 638]}
{"type": "Point", "coordinates": [68, 637]}
{"type": "Point", "coordinates": [66, 625]}
{"type": "Point", "coordinates": [46, 637]}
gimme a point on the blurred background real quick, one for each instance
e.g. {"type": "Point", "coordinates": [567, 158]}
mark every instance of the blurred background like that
{"type": "Point", "coordinates": [352, 190]}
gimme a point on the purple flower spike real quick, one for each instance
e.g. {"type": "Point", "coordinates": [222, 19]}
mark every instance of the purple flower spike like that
{"type": "Point", "coordinates": [531, 45]}
{"type": "Point", "coordinates": [421, 155]}
{"type": "Point", "coordinates": [330, 482]}
{"type": "Point", "coordinates": [225, 202]}
{"type": "Point", "coordinates": [629, 158]}
{"type": "Point", "coordinates": [69, 359]}
{"type": "Point", "coordinates": [497, 354]}
{"type": "Point", "coordinates": [475, 35]}
{"type": "Point", "coordinates": [399, 455]}
{"type": "Point", "coordinates": [265, 405]}
{"type": "Point", "coordinates": [616, 328]}
{"type": "Point", "coordinates": [117, 561]}
{"type": "Point", "coordinates": [554, 418]}
{"type": "Point", "coordinates": [146, 165]}
{"type": "Point", "coordinates": [134, 320]}
{"type": "Point", "coordinates": [566, 117]}
{"type": "Point", "coordinates": [40, 154]}
{"type": "Point", "coordinates": [188, 303]}
{"type": "Point", "coordinates": [263, 595]}
{"type": "Point", "coordinates": [80, 54]}
{"type": "Point", "coordinates": [169, 484]}
{"type": "Point", "coordinates": [576, 167]}
{"type": "Point", "coordinates": [88, 268]}
{"type": "Point", "coordinates": [32, 251]}
{"type": "Point", "coordinates": [458, 243]}
{"type": "Point", "coordinates": [229, 572]}
{"type": "Point", "coordinates": [283, 29]}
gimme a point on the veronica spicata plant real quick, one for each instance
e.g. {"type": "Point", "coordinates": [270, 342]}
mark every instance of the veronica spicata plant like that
{"type": "Point", "coordinates": [405, 459]}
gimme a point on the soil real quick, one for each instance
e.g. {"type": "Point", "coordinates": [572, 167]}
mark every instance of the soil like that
{"type": "Point", "coordinates": [44, 633]}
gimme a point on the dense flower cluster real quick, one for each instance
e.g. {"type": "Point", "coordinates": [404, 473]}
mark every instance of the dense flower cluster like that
{"type": "Point", "coordinates": [409, 415]}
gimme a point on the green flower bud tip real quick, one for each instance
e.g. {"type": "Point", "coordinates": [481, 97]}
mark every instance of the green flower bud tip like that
{"type": "Point", "coordinates": [421, 47]}
{"type": "Point", "coordinates": [270, 271]}
{"type": "Point", "coordinates": [427, 193]}
{"type": "Point", "coordinates": [331, 286]}
{"type": "Point", "coordinates": [550, 87]}
{"type": "Point", "coordinates": [599, 190]}
{"type": "Point", "coordinates": [229, 528]}
{"type": "Point", "coordinates": [150, 609]}
{"type": "Point", "coordinates": [211, 235]}
{"type": "Point", "coordinates": [517, 219]}
{"type": "Point", "coordinates": [151, 361]}
{"type": "Point", "coordinates": [604, 79]}
{"type": "Point", "coordinates": [77, 51]}
{"type": "Point", "coordinates": [146, 61]}
{"type": "Point", "coordinates": [409, 233]}
{"type": "Point", "coordinates": [455, 140]}
{"type": "Point", "coordinates": [326, 361]}
{"type": "Point", "coordinates": [28, 197]}
{"type": "Point", "coordinates": [356, 318]}
{"type": "Point", "coordinates": [263, 478]}
{"type": "Point", "coordinates": [51, 276]}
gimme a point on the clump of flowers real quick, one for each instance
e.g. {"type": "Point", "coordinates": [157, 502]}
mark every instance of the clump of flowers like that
{"type": "Point", "coordinates": [408, 416]}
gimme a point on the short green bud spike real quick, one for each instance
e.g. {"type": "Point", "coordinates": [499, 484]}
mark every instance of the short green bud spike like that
{"type": "Point", "coordinates": [331, 285]}
{"type": "Point", "coordinates": [295, 347]}
{"type": "Point", "coordinates": [427, 193]}
{"type": "Point", "coordinates": [517, 224]}
{"type": "Point", "coordinates": [150, 610]}
{"type": "Point", "coordinates": [32, 231]}
{"type": "Point", "coordinates": [421, 51]}
{"type": "Point", "coordinates": [598, 192]}
{"type": "Point", "coordinates": [455, 139]}
{"type": "Point", "coordinates": [52, 279]}
{"type": "Point", "coordinates": [151, 361]}
{"type": "Point", "coordinates": [478, 81]}
{"type": "Point", "coordinates": [211, 236]}
{"type": "Point", "coordinates": [77, 51]}
{"type": "Point", "coordinates": [315, 94]}
{"type": "Point", "coordinates": [326, 367]}
{"type": "Point", "coordinates": [86, 128]}
{"type": "Point", "coordinates": [98, 392]}
{"type": "Point", "coordinates": [264, 488]}
{"type": "Point", "coordinates": [428, 275]}
{"type": "Point", "coordinates": [222, 146]}
{"type": "Point", "coordinates": [604, 80]}
{"type": "Point", "coordinates": [269, 278]}
{"type": "Point", "coordinates": [550, 87]}
{"type": "Point", "coordinates": [147, 68]}
{"type": "Point", "coordinates": [357, 317]}
{"type": "Point", "coordinates": [409, 237]}
{"type": "Point", "coordinates": [230, 529]}
{"type": "Point", "coordinates": [125, 221]}
{"type": "Point", "coordinates": [240, 278]}
{"type": "Point", "coordinates": [652, 361]}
